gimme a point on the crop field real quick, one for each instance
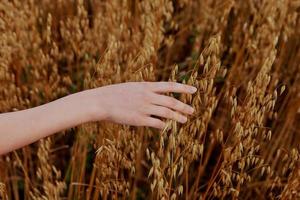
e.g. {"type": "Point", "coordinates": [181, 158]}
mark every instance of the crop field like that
{"type": "Point", "coordinates": [242, 142]}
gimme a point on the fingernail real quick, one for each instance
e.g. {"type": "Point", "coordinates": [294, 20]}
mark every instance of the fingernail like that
{"type": "Point", "coordinates": [184, 119]}
{"type": "Point", "coordinates": [193, 89]}
{"type": "Point", "coordinates": [192, 110]}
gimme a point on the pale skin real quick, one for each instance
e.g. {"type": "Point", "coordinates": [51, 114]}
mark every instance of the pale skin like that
{"type": "Point", "coordinates": [131, 103]}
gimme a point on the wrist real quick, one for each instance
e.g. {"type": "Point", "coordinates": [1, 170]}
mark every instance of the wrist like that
{"type": "Point", "coordinates": [89, 102]}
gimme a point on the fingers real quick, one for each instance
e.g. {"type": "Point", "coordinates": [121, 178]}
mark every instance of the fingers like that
{"type": "Point", "coordinates": [161, 111]}
{"type": "Point", "coordinates": [171, 87]}
{"type": "Point", "coordinates": [172, 103]}
{"type": "Point", "coordinates": [155, 123]}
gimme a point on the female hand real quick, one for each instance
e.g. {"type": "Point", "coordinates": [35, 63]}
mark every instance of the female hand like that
{"type": "Point", "coordinates": [133, 103]}
{"type": "Point", "coordinates": [130, 103]}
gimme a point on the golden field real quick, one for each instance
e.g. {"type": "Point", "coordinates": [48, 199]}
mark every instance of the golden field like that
{"type": "Point", "coordinates": [243, 142]}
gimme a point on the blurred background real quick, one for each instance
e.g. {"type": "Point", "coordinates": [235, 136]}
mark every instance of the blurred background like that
{"type": "Point", "coordinates": [243, 56]}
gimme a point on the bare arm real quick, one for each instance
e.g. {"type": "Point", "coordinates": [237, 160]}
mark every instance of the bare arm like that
{"type": "Point", "coordinates": [129, 103]}
{"type": "Point", "coordinates": [20, 128]}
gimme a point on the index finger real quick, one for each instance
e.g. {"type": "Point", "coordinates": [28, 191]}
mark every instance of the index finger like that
{"type": "Point", "coordinates": [172, 87]}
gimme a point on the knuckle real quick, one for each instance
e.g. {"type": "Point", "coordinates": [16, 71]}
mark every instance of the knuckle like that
{"type": "Point", "coordinates": [151, 123]}
{"type": "Point", "coordinates": [144, 122]}
{"type": "Point", "coordinates": [176, 115]}
{"type": "Point", "coordinates": [167, 112]}
{"type": "Point", "coordinates": [147, 96]}
{"type": "Point", "coordinates": [143, 109]}
{"type": "Point", "coordinates": [135, 120]}
{"type": "Point", "coordinates": [173, 103]}
{"type": "Point", "coordinates": [186, 109]}
{"type": "Point", "coordinates": [173, 85]}
{"type": "Point", "coordinates": [143, 95]}
{"type": "Point", "coordinates": [185, 87]}
{"type": "Point", "coordinates": [147, 85]}
{"type": "Point", "coordinates": [183, 107]}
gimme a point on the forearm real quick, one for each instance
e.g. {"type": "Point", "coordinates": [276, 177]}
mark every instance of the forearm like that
{"type": "Point", "coordinates": [21, 128]}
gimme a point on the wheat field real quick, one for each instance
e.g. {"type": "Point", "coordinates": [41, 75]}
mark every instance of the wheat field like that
{"type": "Point", "coordinates": [243, 141]}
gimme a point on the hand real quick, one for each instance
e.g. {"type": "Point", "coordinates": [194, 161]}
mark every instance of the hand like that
{"type": "Point", "coordinates": [133, 103]}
